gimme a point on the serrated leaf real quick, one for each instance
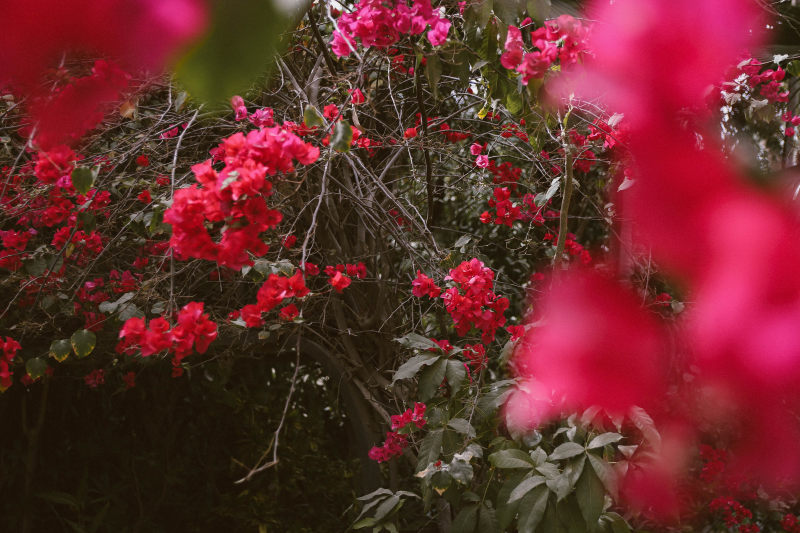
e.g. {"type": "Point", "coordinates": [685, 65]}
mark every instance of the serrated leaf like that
{"type": "Point", "coordinates": [60, 349]}
{"type": "Point", "coordinates": [83, 342]}
{"type": "Point", "coordinates": [342, 136]}
{"type": "Point", "coordinates": [410, 368]}
{"type": "Point", "coordinates": [532, 507]}
{"type": "Point", "coordinates": [591, 496]}
{"type": "Point", "coordinates": [311, 116]}
{"type": "Point", "coordinates": [36, 367]}
{"type": "Point", "coordinates": [603, 440]}
{"type": "Point", "coordinates": [566, 450]}
{"type": "Point", "coordinates": [511, 459]}
{"type": "Point", "coordinates": [525, 487]}
{"type": "Point", "coordinates": [431, 378]}
{"type": "Point", "coordinates": [82, 179]}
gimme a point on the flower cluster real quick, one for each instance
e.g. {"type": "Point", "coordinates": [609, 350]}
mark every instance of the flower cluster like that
{"type": "Point", "coordinates": [731, 245]}
{"type": "Point", "coordinates": [417, 417]}
{"type": "Point", "coordinates": [425, 286]}
{"type": "Point", "coordinates": [193, 330]}
{"type": "Point", "coordinates": [392, 447]}
{"type": "Point", "coordinates": [235, 197]}
{"type": "Point", "coordinates": [472, 301]}
{"type": "Point", "coordinates": [790, 523]}
{"type": "Point", "coordinates": [562, 39]}
{"type": "Point", "coordinates": [736, 516]}
{"type": "Point", "coordinates": [95, 378]}
{"type": "Point", "coordinates": [9, 350]}
{"type": "Point", "coordinates": [379, 25]}
{"type": "Point", "coordinates": [271, 294]}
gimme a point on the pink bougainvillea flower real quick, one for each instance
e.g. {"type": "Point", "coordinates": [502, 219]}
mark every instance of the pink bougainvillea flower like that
{"type": "Point", "coordinates": [512, 56]}
{"type": "Point", "coordinates": [356, 96]}
{"type": "Point", "coordinates": [482, 161]}
{"type": "Point", "coordinates": [135, 34]}
{"type": "Point", "coordinates": [597, 346]}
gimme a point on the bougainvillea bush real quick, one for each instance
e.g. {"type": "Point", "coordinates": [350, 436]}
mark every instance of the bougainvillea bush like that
{"type": "Point", "coordinates": [471, 267]}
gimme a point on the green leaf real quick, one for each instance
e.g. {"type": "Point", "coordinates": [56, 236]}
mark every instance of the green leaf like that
{"type": "Point", "coordinates": [462, 426]}
{"type": "Point", "coordinates": [365, 522]}
{"type": "Point", "coordinates": [461, 471]}
{"type": "Point", "coordinates": [83, 342]}
{"type": "Point", "coordinates": [603, 440]}
{"type": "Point", "coordinates": [60, 349]}
{"type": "Point", "coordinates": [567, 450]}
{"type": "Point", "coordinates": [606, 473]}
{"type": "Point", "coordinates": [342, 136]}
{"type": "Point", "coordinates": [511, 459]}
{"type": "Point", "coordinates": [525, 487]}
{"type": "Point", "coordinates": [311, 116]}
{"type": "Point", "coordinates": [514, 102]}
{"type": "Point", "coordinates": [455, 374]}
{"type": "Point", "coordinates": [645, 424]}
{"type": "Point", "coordinates": [479, 12]}
{"type": "Point", "coordinates": [36, 266]}
{"type": "Point", "coordinates": [431, 378]}
{"type": "Point", "coordinates": [387, 506]}
{"type": "Point", "coordinates": [618, 524]}
{"type": "Point", "coordinates": [87, 220]}
{"type": "Point", "coordinates": [539, 10]}
{"type": "Point", "coordinates": [82, 179]}
{"type": "Point", "coordinates": [508, 10]}
{"type": "Point", "coordinates": [466, 520]}
{"type": "Point", "coordinates": [242, 43]}
{"type": "Point", "coordinates": [377, 492]}
{"type": "Point", "coordinates": [591, 496]}
{"type": "Point", "coordinates": [410, 368]}
{"type": "Point", "coordinates": [487, 520]}
{"type": "Point", "coordinates": [507, 511]}
{"type": "Point", "coordinates": [36, 367]}
{"type": "Point", "coordinates": [793, 68]}
{"type": "Point", "coordinates": [532, 509]}
{"type": "Point", "coordinates": [429, 449]}
{"type": "Point", "coordinates": [433, 71]}
{"type": "Point", "coordinates": [417, 341]}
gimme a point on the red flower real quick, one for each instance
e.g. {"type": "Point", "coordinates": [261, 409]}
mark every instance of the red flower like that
{"type": "Point", "coordinates": [339, 281]}
{"type": "Point", "coordinates": [356, 96]}
{"type": "Point", "coordinates": [289, 312]}
{"type": "Point", "coordinates": [144, 197]}
{"type": "Point", "coordinates": [289, 241]}
{"type": "Point", "coordinates": [143, 161]}
{"type": "Point", "coordinates": [410, 133]}
{"type": "Point", "coordinates": [424, 286]}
